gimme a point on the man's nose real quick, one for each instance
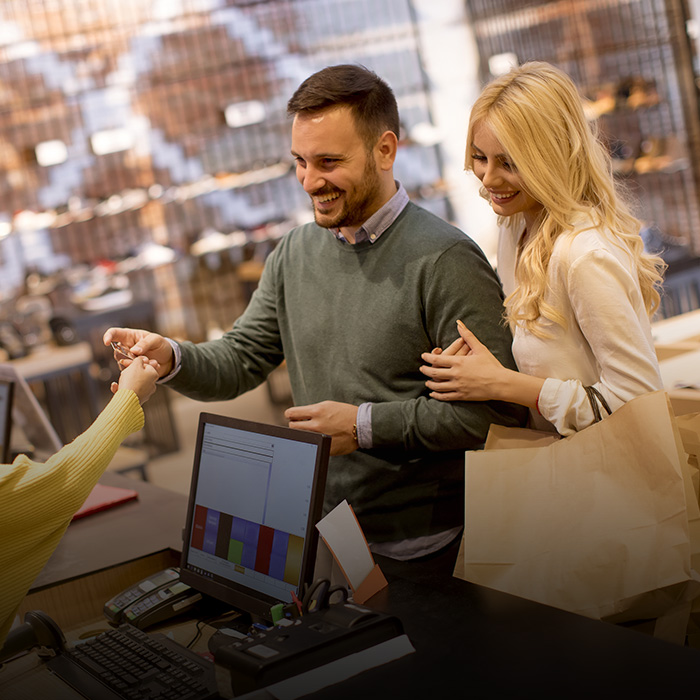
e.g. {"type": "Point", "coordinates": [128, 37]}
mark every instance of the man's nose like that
{"type": "Point", "coordinates": [312, 180]}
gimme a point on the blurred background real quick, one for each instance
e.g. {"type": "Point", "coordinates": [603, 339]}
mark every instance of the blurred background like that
{"type": "Point", "coordinates": [144, 147]}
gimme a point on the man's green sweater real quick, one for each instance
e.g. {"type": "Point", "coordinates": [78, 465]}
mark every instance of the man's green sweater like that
{"type": "Point", "coordinates": [351, 322]}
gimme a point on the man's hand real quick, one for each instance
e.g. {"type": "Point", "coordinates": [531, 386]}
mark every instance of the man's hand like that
{"type": "Point", "coordinates": [330, 417]}
{"type": "Point", "coordinates": [154, 347]}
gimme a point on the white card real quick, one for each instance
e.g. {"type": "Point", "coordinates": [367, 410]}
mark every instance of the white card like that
{"type": "Point", "coordinates": [344, 537]}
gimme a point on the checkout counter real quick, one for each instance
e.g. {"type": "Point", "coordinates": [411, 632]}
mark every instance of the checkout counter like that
{"type": "Point", "coordinates": [468, 640]}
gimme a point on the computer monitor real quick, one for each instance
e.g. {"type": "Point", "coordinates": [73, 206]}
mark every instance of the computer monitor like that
{"type": "Point", "coordinates": [250, 538]}
{"type": "Point", "coordinates": [6, 392]}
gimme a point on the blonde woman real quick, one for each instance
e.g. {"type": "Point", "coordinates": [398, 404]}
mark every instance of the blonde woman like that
{"type": "Point", "coordinates": [579, 288]}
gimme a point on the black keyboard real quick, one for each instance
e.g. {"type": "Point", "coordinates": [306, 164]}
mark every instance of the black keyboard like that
{"type": "Point", "coordinates": [128, 664]}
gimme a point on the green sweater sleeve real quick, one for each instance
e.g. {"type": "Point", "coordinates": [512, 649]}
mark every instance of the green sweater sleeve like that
{"type": "Point", "coordinates": [37, 501]}
{"type": "Point", "coordinates": [222, 369]}
{"type": "Point", "coordinates": [462, 285]}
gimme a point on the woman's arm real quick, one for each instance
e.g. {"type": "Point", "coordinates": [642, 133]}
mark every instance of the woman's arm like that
{"type": "Point", "coordinates": [37, 501]}
{"type": "Point", "coordinates": [606, 306]}
{"type": "Point", "coordinates": [477, 376]}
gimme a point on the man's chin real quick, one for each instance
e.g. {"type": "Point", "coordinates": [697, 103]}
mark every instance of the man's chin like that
{"type": "Point", "coordinates": [326, 221]}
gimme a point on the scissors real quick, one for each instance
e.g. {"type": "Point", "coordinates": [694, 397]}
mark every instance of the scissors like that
{"type": "Point", "coordinates": [318, 595]}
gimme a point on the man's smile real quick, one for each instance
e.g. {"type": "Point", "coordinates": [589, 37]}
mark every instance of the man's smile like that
{"type": "Point", "coordinates": [323, 198]}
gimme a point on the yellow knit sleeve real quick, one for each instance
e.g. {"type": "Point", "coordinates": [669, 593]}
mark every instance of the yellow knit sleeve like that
{"type": "Point", "coordinates": [57, 488]}
{"type": "Point", "coordinates": [37, 501]}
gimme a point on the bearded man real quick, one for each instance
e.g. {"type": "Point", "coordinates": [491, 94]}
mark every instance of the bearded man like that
{"type": "Point", "coordinates": [350, 301]}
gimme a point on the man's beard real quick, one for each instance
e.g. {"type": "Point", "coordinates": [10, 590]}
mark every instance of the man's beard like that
{"type": "Point", "coordinates": [357, 208]}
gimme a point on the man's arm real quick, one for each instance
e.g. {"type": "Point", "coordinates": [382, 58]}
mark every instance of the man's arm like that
{"type": "Point", "coordinates": [339, 420]}
{"type": "Point", "coordinates": [243, 357]}
{"type": "Point", "coordinates": [220, 369]}
{"type": "Point", "coordinates": [463, 285]}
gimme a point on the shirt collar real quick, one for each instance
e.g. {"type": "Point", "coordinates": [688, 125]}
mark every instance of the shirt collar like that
{"type": "Point", "coordinates": [380, 221]}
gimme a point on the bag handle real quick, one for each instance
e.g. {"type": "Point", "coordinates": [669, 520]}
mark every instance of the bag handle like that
{"type": "Point", "coordinates": [594, 396]}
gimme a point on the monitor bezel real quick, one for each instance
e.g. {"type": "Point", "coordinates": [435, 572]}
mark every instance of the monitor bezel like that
{"type": "Point", "coordinates": [240, 597]}
{"type": "Point", "coordinates": [6, 426]}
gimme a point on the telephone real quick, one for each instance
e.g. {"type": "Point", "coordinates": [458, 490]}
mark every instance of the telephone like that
{"type": "Point", "coordinates": [152, 600]}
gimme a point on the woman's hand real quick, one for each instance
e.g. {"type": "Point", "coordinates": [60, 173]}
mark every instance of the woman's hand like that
{"type": "Point", "coordinates": [458, 347]}
{"type": "Point", "coordinates": [140, 377]}
{"type": "Point", "coordinates": [466, 371]}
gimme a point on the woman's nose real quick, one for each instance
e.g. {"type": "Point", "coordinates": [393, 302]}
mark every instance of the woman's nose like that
{"type": "Point", "coordinates": [490, 177]}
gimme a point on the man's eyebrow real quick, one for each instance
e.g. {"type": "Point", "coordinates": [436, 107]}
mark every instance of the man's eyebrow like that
{"type": "Point", "coordinates": [335, 156]}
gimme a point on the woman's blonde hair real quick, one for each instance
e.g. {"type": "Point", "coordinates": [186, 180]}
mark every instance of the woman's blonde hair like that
{"type": "Point", "coordinates": [536, 113]}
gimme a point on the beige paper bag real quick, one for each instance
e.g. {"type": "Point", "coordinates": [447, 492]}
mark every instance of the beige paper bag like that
{"type": "Point", "coordinates": [689, 427]}
{"type": "Point", "coordinates": [596, 523]}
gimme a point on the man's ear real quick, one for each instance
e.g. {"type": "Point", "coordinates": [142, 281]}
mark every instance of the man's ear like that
{"type": "Point", "coordinates": [385, 150]}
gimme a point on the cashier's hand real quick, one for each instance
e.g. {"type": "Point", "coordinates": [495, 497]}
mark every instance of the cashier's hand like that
{"type": "Point", "coordinates": [155, 348]}
{"type": "Point", "coordinates": [330, 417]}
{"type": "Point", "coordinates": [140, 377]}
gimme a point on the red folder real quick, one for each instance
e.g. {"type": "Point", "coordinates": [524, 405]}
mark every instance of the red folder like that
{"type": "Point", "coordinates": [103, 497]}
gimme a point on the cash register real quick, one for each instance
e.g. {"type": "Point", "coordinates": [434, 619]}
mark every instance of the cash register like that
{"type": "Point", "coordinates": [249, 545]}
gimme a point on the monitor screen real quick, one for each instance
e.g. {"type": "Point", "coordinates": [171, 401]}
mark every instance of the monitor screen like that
{"type": "Point", "coordinates": [257, 492]}
{"type": "Point", "coordinates": [6, 392]}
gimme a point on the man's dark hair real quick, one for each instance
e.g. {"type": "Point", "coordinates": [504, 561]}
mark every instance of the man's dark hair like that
{"type": "Point", "coordinates": [370, 99]}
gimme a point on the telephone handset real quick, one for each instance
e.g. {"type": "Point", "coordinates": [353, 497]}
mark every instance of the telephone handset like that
{"type": "Point", "coordinates": [152, 600]}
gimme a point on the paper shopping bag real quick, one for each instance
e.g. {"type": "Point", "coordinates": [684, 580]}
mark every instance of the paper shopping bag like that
{"type": "Point", "coordinates": [689, 428]}
{"type": "Point", "coordinates": [598, 523]}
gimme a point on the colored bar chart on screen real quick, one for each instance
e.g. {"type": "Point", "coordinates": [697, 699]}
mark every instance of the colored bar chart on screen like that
{"type": "Point", "coordinates": [247, 544]}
